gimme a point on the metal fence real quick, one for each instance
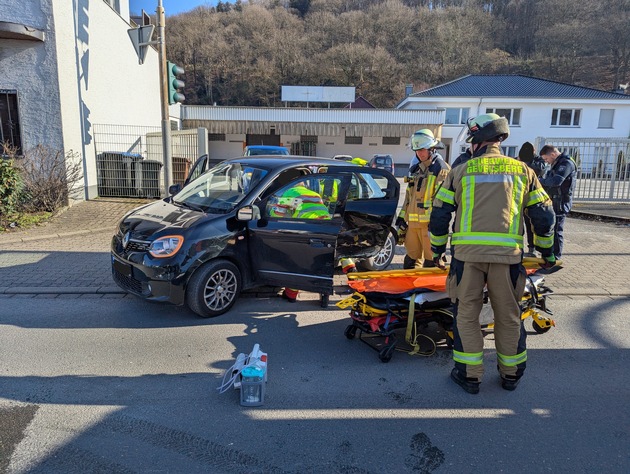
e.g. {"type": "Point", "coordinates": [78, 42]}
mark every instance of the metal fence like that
{"type": "Point", "coordinates": [603, 166]}
{"type": "Point", "coordinates": [130, 161]}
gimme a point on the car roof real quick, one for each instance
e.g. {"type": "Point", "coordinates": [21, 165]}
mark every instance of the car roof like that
{"type": "Point", "coordinates": [266, 147]}
{"type": "Point", "coordinates": [281, 161]}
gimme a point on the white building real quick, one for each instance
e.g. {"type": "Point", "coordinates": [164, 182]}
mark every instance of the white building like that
{"type": "Point", "coordinates": [67, 65]}
{"type": "Point", "coordinates": [312, 132]}
{"type": "Point", "coordinates": [537, 109]}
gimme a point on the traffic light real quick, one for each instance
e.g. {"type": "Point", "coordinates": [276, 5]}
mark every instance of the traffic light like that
{"type": "Point", "coordinates": [174, 84]}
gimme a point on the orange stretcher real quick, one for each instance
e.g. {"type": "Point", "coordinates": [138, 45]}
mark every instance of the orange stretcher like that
{"type": "Point", "coordinates": [383, 301]}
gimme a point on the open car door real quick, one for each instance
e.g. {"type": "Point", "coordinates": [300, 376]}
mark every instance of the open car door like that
{"type": "Point", "coordinates": [369, 211]}
{"type": "Point", "coordinates": [307, 225]}
{"type": "Point", "coordinates": [293, 242]}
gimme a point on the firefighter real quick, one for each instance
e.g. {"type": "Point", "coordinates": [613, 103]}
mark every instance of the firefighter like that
{"type": "Point", "coordinates": [526, 155]}
{"type": "Point", "coordinates": [424, 178]}
{"type": "Point", "coordinates": [489, 194]}
{"type": "Point", "coordinates": [300, 202]}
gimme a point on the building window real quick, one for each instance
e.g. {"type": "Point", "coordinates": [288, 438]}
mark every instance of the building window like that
{"type": "Point", "coordinates": [509, 150]}
{"type": "Point", "coordinates": [606, 118]}
{"type": "Point", "coordinates": [512, 115]}
{"type": "Point", "coordinates": [216, 137]}
{"type": "Point", "coordinates": [565, 117]}
{"type": "Point", "coordinates": [9, 121]}
{"type": "Point", "coordinates": [115, 4]}
{"type": "Point", "coordinates": [309, 138]}
{"type": "Point", "coordinates": [456, 116]}
{"type": "Point", "coordinates": [391, 140]}
{"type": "Point", "coordinates": [353, 140]}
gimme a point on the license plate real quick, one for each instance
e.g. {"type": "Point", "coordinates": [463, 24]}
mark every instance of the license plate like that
{"type": "Point", "coordinates": [122, 268]}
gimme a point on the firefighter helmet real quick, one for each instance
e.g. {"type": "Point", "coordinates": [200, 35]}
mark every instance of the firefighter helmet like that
{"type": "Point", "coordinates": [423, 140]}
{"type": "Point", "coordinates": [487, 127]}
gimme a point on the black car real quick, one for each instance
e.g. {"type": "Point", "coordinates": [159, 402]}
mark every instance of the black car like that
{"type": "Point", "coordinates": [384, 162]}
{"type": "Point", "coordinates": [222, 233]}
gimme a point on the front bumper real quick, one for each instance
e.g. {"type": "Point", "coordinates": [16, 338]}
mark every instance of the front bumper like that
{"type": "Point", "coordinates": [153, 283]}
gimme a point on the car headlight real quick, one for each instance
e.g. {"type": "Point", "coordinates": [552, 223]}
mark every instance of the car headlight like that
{"type": "Point", "coordinates": [166, 246]}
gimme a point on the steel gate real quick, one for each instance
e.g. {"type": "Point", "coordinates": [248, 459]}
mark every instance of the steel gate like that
{"type": "Point", "coordinates": [130, 162]}
{"type": "Point", "coordinates": [603, 166]}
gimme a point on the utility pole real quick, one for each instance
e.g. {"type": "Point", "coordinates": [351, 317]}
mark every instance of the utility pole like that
{"type": "Point", "coordinates": [166, 124]}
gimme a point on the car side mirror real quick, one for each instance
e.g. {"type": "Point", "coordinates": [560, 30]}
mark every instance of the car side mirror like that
{"type": "Point", "coordinates": [174, 189]}
{"type": "Point", "coordinates": [248, 213]}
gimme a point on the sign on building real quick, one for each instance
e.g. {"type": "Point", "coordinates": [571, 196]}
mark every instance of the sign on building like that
{"type": "Point", "coordinates": [317, 94]}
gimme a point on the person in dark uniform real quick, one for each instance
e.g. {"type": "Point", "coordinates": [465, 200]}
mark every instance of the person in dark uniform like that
{"type": "Point", "coordinates": [526, 155]}
{"type": "Point", "coordinates": [559, 182]}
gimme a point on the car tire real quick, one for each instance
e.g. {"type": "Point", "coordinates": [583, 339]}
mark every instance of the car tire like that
{"type": "Point", "coordinates": [213, 288]}
{"type": "Point", "coordinates": [383, 258]}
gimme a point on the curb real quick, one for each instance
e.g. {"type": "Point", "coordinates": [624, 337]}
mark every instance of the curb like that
{"type": "Point", "coordinates": [57, 290]}
{"type": "Point", "coordinates": [598, 217]}
{"type": "Point", "coordinates": [108, 290]}
{"type": "Point", "coordinates": [34, 238]}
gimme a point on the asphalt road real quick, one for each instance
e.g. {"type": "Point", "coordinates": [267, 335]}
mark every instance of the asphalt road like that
{"type": "Point", "coordinates": [92, 380]}
{"type": "Point", "coordinates": [120, 385]}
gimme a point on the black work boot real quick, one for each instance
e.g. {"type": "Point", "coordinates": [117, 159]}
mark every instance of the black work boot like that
{"type": "Point", "coordinates": [509, 382]}
{"type": "Point", "coordinates": [468, 384]}
{"type": "Point", "coordinates": [409, 263]}
{"type": "Point", "coordinates": [428, 264]}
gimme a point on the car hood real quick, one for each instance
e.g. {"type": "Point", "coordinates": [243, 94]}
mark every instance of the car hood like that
{"type": "Point", "coordinates": [160, 216]}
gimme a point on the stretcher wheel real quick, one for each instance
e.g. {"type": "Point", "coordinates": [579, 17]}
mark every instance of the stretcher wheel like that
{"type": "Point", "coordinates": [449, 340]}
{"type": "Point", "coordinates": [350, 331]}
{"type": "Point", "coordinates": [386, 353]}
{"type": "Point", "coordinates": [323, 300]}
{"type": "Point", "coordinates": [539, 329]}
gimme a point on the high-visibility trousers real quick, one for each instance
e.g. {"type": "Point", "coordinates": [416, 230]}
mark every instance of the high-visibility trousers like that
{"type": "Point", "coordinates": [417, 242]}
{"type": "Point", "coordinates": [506, 285]}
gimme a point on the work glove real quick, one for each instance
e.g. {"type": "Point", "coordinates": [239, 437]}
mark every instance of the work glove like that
{"type": "Point", "coordinates": [550, 261]}
{"type": "Point", "coordinates": [401, 230]}
{"type": "Point", "coordinates": [438, 260]}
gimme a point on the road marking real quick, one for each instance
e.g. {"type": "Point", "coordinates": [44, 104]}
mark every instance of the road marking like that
{"type": "Point", "coordinates": [344, 414]}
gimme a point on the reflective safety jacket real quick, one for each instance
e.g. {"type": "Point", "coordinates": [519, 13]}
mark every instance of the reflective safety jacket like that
{"type": "Point", "coordinates": [489, 193]}
{"type": "Point", "coordinates": [300, 202]}
{"type": "Point", "coordinates": [421, 190]}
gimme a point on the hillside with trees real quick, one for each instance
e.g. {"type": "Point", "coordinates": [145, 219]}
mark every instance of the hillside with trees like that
{"type": "Point", "coordinates": [240, 54]}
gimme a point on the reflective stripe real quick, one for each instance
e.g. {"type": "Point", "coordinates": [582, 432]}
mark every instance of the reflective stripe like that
{"type": "Point", "coordinates": [536, 196]}
{"type": "Point", "coordinates": [419, 217]}
{"type": "Point", "coordinates": [543, 242]}
{"type": "Point", "coordinates": [511, 361]}
{"type": "Point", "coordinates": [518, 191]}
{"type": "Point", "coordinates": [487, 238]}
{"type": "Point", "coordinates": [438, 240]}
{"type": "Point", "coordinates": [446, 196]}
{"type": "Point", "coordinates": [428, 191]}
{"type": "Point", "coordinates": [468, 202]}
{"type": "Point", "coordinates": [469, 358]}
{"type": "Point", "coordinates": [494, 178]}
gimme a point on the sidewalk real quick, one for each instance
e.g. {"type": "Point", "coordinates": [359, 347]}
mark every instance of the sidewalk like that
{"type": "Point", "coordinates": [70, 254]}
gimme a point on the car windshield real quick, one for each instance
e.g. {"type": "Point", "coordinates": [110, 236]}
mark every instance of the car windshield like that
{"type": "Point", "coordinates": [221, 189]}
{"type": "Point", "coordinates": [267, 151]}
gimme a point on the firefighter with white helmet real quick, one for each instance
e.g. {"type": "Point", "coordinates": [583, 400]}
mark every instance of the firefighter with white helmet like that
{"type": "Point", "coordinates": [489, 194]}
{"type": "Point", "coordinates": [423, 180]}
